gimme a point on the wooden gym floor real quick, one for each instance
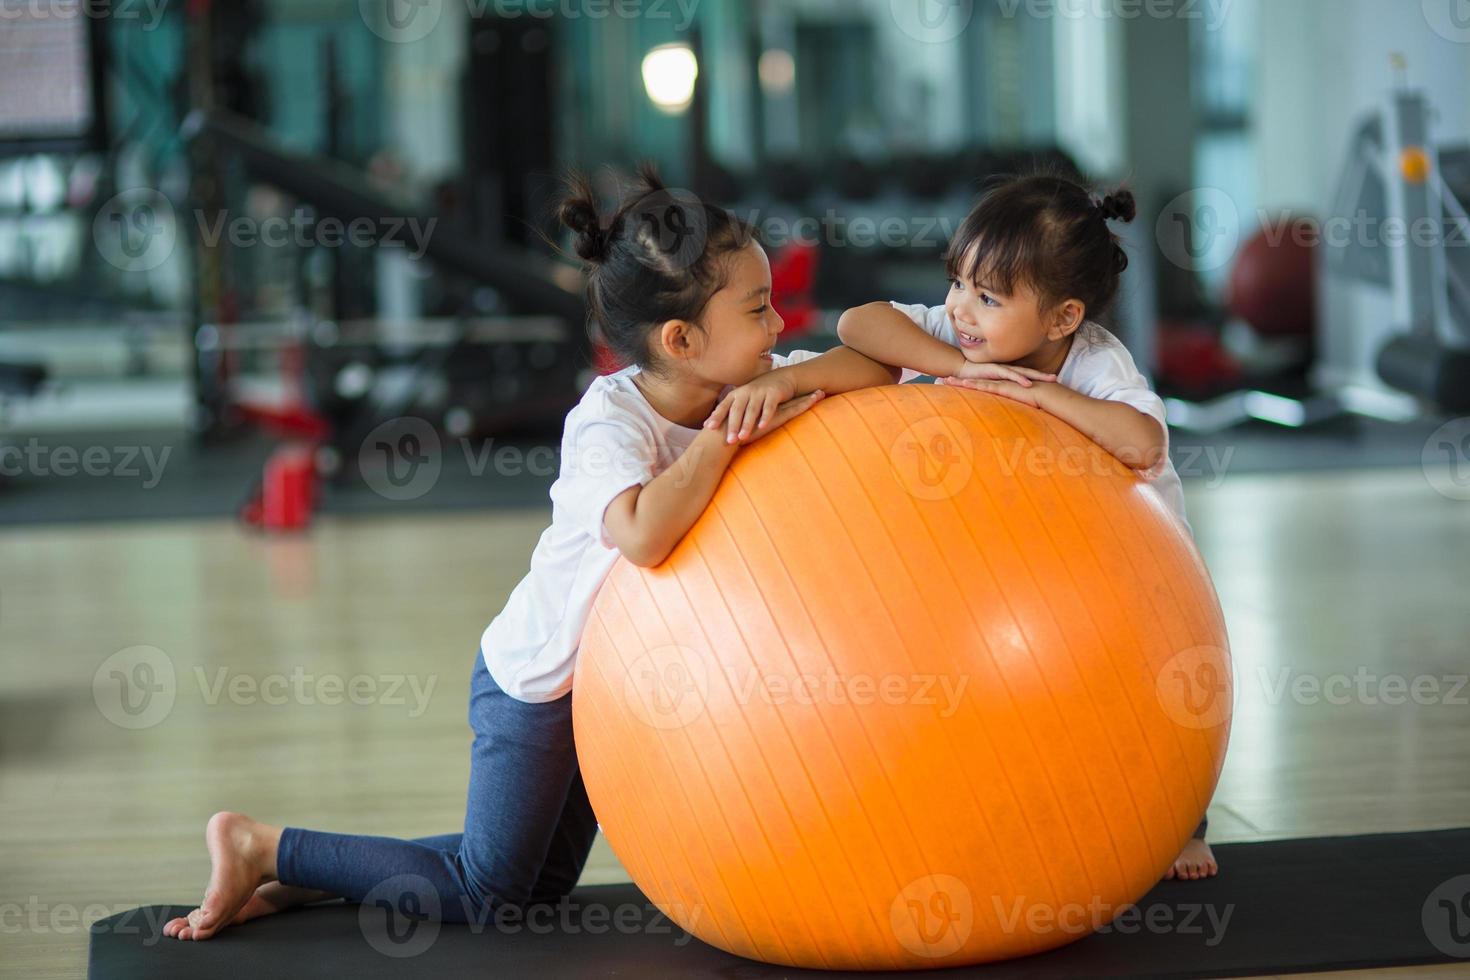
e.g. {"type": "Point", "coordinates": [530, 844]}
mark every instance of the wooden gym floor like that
{"type": "Point", "coordinates": [1339, 579]}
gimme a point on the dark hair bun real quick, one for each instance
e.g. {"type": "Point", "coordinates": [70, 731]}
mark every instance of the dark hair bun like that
{"type": "Point", "coordinates": [578, 212]}
{"type": "Point", "coordinates": [1119, 206]}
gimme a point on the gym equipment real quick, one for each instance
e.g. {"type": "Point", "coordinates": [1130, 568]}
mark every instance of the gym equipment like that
{"type": "Point", "coordinates": [1294, 906]}
{"type": "Point", "coordinates": [1412, 289]}
{"type": "Point", "coordinates": [1273, 286]}
{"type": "Point", "coordinates": [341, 379]}
{"type": "Point", "coordinates": [1401, 183]}
{"type": "Point", "coordinates": [926, 656]}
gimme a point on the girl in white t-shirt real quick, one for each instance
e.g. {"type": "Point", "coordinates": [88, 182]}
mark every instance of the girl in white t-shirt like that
{"type": "Point", "coordinates": [1027, 268]}
{"type": "Point", "coordinates": [680, 291]}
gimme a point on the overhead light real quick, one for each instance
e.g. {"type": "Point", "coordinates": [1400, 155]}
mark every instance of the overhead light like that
{"type": "Point", "coordinates": [669, 72]}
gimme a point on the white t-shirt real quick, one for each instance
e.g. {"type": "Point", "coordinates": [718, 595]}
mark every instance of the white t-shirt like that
{"type": "Point", "coordinates": [1098, 366]}
{"type": "Point", "coordinates": [613, 439]}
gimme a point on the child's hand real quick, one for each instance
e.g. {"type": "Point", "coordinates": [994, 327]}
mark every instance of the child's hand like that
{"type": "Point", "coordinates": [1022, 376]}
{"type": "Point", "coordinates": [1025, 394]}
{"type": "Point", "coordinates": [752, 407]}
{"type": "Point", "coordinates": [788, 411]}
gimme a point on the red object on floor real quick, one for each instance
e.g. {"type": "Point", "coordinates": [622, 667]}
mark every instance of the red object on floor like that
{"type": "Point", "coordinates": [288, 491]}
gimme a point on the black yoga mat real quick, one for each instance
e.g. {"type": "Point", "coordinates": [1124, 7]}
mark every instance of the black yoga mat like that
{"type": "Point", "coordinates": [1293, 906]}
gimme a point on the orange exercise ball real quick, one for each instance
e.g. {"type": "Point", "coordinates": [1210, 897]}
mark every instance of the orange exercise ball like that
{"type": "Point", "coordinates": [933, 681]}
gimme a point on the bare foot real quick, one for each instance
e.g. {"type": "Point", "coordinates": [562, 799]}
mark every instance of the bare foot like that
{"type": "Point", "coordinates": [1194, 862]}
{"type": "Point", "coordinates": [268, 899]}
{"type": "Point", "coordinates": [242, 855]}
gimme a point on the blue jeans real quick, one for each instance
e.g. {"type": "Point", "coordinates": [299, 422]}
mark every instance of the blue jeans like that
{"type": "Point", "coordinates": [528, 824]}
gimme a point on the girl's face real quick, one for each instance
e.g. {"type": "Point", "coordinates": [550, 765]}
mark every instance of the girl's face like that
{"type": "Point", "coordinates": [994, 327]}
{"type": "Point", "coordinates": [740, 327]}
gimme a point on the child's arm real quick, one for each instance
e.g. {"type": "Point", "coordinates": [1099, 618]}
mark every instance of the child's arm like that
{"type": "Point", "coordinates": [646, 522]}
{"type": "Point", "coordinates": [1136, 439]}
{"type": "Point", "coordinates": [752, 407]}
{"type": "Point", "coordinates": [890, 337]}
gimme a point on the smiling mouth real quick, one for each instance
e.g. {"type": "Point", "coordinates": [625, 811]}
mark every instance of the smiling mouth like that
{"type": "Point", "coordinates": [968, 339]}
